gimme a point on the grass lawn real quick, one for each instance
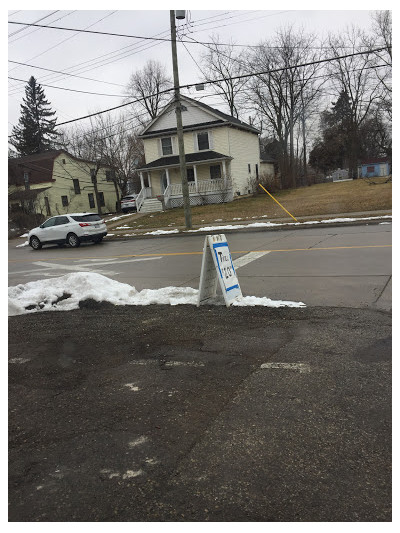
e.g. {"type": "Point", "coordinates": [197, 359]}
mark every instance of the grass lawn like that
{"type": "Point", "coordinates": [316, 200]}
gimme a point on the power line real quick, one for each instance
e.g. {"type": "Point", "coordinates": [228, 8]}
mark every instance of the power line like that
{"type": "Point", "coordinates": [73, 90]}
{"type": "Point", "coordinates": [164, 39]}
{"type": "Point", "coordinates": [62, 72]}
{"type": "Point", "coordinates": [37, 29]}
{"type": "Point", "coordinates": [123, 55]}
{"type": "Point", "coordinates": [30, 24]}
{"type": "Point", "coordinates": [248, 20]}
{"type": "Point", "coordinates": [241, 76]}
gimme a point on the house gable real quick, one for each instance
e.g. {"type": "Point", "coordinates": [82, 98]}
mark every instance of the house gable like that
{"type": "Point", "coordinates": [195, 115]}
{"type": "Point", "coordinates": [192, 115]}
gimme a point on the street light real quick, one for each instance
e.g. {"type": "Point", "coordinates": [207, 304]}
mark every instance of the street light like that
{"type": "Point", "coordinates": [182, 164]}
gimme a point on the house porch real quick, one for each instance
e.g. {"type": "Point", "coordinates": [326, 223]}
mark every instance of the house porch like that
{"type": "Point", "coordinates": [208, 181]}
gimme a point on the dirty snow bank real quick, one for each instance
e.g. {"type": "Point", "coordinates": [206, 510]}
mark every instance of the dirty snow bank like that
{"type": "Point", "coordinates": [65, 292]}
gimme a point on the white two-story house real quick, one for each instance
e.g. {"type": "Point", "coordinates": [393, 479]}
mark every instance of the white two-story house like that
{"type": "Point", "coordinates": [222, 156]}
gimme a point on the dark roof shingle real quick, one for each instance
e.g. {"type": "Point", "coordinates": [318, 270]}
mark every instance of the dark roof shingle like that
{"type": "Point", "coordinates": [196, 157]}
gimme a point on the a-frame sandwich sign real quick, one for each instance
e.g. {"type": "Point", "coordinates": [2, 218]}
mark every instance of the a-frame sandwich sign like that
{"type": "Point", "coordinates": [217, 266]}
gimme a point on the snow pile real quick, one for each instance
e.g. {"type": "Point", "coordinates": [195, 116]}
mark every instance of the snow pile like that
{"type": "Point", "coordinates": [65, 292]}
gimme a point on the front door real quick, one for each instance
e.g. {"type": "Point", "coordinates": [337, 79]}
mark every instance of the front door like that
{"type": "Point", "coordinates": [163, 181]}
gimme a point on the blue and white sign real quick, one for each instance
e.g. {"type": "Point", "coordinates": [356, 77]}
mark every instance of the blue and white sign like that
{"type": "Point", "coordinates": [217, 266]}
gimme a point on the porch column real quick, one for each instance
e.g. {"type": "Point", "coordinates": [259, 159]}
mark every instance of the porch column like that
{"type": "Point", "coordinates": [167, 174]}
{"type": "Point", "coordinates": [149, 179]}
{"type": "Point", "coordinates": [195, 178]}
{"type": "Point", "coordinates": [141, 180]}
{"type": "Point", "coordinates": [224, 169]}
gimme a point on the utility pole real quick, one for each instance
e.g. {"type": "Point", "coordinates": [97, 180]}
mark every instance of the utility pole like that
{"type": "Point", "coordinates": [182, 163]}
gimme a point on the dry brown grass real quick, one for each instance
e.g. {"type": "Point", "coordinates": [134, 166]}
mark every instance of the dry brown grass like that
{"type": "Point", "coordinates": [316, 200]}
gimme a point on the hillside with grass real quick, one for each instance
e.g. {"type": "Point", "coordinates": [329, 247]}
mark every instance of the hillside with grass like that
{"type": "Point", "coordinates": [315, 201]}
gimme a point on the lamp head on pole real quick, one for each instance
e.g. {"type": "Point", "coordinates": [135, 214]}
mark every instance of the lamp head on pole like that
{"type": "Point", "coordinates": [180, 15]}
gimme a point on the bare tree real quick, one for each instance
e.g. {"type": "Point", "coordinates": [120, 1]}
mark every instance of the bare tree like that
{"type": "Point", "coordinates": [108, 142]}
{"type": "Point", "coordinates": [121, 149]}
{"type": "Point", "coordinates": [382, 26]}
{"type": "Point", "coordinates": [382, 29]}
{"type": "Point", "coordinates": [82, 144]}
{"type": "Point", "coordinates": [148, 85]}
{"type": "Point", "coordinates": [356, 76]}
{"type": "Point", "coordinates": [288, 90]}
{"type": "Point", "coordinates": [221, 62]}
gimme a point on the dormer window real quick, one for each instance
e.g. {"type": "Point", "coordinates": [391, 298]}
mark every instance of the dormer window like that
{"type": "Point", "coordinates": [203, 142]}
{"type": "Point", "coordinates": [166, 145]}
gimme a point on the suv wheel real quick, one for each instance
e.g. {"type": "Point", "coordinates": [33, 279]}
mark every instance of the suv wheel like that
{"type": "Point", "coordinates": [35, 243]}
{"type": "Point", "coordinates": [73, 240]}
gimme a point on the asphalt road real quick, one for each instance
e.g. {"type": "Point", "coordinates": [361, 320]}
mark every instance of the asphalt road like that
{"type": "Point", "coordinates": [345, 266]}
{"type": "Point", "coordinates": [210, 414]}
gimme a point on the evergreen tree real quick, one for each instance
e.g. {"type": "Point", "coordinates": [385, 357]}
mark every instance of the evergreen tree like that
{"type": "Point", "coordinates": [36, 129]}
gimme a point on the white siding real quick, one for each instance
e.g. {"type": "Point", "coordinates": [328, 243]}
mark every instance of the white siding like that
{"type": "Point", "coordinates": [245, 150]}
{"type": "Point", "coordinates": [193, 116]}
{"type": "Point", "coordinates": [243, 146]}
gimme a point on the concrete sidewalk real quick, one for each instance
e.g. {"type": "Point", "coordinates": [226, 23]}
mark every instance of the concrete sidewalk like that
{"type": "Point", "coordinates": [181, 413]}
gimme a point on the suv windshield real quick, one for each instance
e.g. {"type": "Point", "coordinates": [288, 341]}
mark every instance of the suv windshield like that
{"type": "Point", "coordinates": [86, 218]}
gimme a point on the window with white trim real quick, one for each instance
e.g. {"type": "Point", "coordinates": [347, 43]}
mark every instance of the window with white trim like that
{"type": "Point", "coordinates": [203, 141]}
{"type": "Point", "coordinates": [166, 146]}
{"type": "Point", "coordinates": [215, 172]}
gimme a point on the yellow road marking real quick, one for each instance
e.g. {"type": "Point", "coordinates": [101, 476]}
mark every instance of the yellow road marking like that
{"type": "Point", "coordinates": [172, 254]}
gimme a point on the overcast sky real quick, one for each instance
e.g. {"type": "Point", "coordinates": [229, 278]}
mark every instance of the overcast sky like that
{"type": "Point", "coordinates": [104, 63]}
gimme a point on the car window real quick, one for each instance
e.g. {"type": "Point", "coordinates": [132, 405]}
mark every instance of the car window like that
{"type": "Point", "coordinates": [61, 220]}
{"type": "Point", "coordinates": [49, 223]}
{"type": "Point", "coordinates": [91, 217]}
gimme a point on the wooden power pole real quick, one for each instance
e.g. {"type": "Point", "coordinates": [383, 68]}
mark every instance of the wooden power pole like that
{"type": "Point", "coordinates": [182, 163]}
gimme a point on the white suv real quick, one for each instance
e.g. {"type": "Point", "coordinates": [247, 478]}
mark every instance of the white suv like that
{"type": "Point", "coordinates": [71, 229]}
{"type": "Point", "coordinates": [128, 203]}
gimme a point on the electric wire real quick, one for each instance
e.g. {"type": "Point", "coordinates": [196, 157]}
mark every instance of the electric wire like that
{"type": "Point", "coordinates": [241, 76]}
{"type": "Point", "coordinates": [110, 34]}
{"type": "Point", "coordinates": [73, 90]}
{"type": "Point", "coordinates": [27, 25]}
{"type": "Point", "coordinates": [37, 29]}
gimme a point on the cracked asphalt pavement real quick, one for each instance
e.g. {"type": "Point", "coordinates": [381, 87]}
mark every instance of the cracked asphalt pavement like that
{"type": "Point", "coordinates": [180, 413]}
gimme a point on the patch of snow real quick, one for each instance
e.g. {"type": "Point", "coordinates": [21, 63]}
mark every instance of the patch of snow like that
{"type": "Point", "coordinates": [65, 292]}
{"type": "Point", "coordinates": [118, 217]}
{"type": "Point", "coordinates": [275, 224]}
{"type": "Point", "coordinates": [131, 473]}
{"type": "Point", "coordinates": [138, 442]}
{"type": "Point", "coordinates": [132, 387]}
{"type": "Point", "coordinates": [110, 234]}
{"type": "Point", "coordinates": [26, 243]}
{"type": "Point", "coordinates": [124, 227]}
{"type": "Point", "coordinates": [266, 302]}
{"type": "Point", "coordinates": [18, 360]}
{"type": "Point", "coordinates": [162, 232]}
{"type": "Point", "coordinates": [24, 235]}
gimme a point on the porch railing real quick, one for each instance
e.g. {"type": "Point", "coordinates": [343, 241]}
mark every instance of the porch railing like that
{"type": "Point", "coordinates": [201, 187]}
{"type": "Point", "coordinates": [140, 198]}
